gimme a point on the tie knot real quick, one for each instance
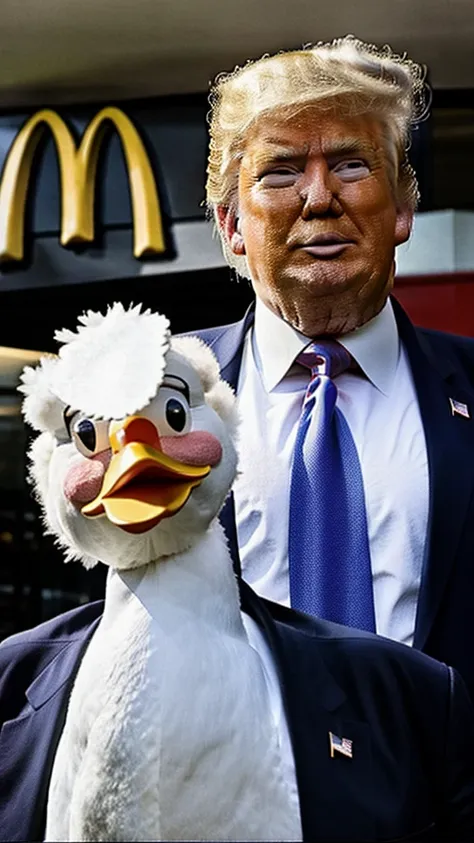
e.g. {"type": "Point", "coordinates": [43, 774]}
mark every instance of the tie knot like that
{"type": "Point", "coordinates": [325, 357]}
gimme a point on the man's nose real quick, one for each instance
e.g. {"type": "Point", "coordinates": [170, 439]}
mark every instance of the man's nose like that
{"type": "Point", "coordinates": [319, 192]}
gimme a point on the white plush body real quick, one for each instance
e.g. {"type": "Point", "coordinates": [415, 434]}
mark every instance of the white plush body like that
{"type": "Point", "coordinates": [169, 734]}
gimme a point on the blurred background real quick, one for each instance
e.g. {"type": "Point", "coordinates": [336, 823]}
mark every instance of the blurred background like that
{"type": "Point", "coordinates": [154, 59]}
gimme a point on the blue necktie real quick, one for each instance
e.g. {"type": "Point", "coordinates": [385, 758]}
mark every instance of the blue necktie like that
{"type": "Point", "coordinates": [329, 555]}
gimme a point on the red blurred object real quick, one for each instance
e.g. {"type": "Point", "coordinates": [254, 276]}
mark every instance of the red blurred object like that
{"type": "Point", "coordinates": [444, 302]}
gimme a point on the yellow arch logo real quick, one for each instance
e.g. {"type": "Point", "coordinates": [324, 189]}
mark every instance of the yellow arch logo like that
{"type": "Point", "coordinates": [78, 171]}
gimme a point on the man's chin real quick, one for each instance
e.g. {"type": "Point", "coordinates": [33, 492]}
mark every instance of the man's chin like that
{"type": "Point", "coordinates": [325, 305]}
{"type": "Point", "coordinates": [324, 279]}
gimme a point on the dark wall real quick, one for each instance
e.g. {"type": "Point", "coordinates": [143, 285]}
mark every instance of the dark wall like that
{"type": "Point", "coordinates": [190, 300]}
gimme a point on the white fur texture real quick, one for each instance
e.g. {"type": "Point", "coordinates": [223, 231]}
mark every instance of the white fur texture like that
{"type": "Point", "coordinates": [169, 734]}
{"type": "Point", "coordinates": [41, 408]}
{"type": "Point", "coordinates": [53, 454]}
{"type": "Point", "coordinates": [218, 394]}
{"type": "Point", "coordinates": [100, 369]}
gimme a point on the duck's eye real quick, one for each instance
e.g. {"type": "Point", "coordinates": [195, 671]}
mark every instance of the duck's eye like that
{"type": "Point", "coordinates": [90, 436]}
{"type": "Point", "coordinates": [85, 431]}
{"type": "Point", "coordinates": [170, 412]}
{"type": "Point", "coordinates": [176, 415]}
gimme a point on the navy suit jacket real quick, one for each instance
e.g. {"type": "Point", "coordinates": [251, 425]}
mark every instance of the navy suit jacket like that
{"type": "Point", "coordinates": [442, 366]}
{"type": "Point", "coordinates": [409, 718]}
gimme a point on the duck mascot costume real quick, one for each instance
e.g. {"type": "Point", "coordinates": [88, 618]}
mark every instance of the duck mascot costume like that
{"type": "Point", "coordinates": [169, 732]}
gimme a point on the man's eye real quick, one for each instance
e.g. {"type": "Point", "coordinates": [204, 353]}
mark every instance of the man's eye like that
{"type": "Point", "coordinates": [354, 169]}
{"type": "Point", "coordinates": [279, 177]}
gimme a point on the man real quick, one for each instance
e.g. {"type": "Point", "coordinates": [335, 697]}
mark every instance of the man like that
{"type": "Point", "coordinates": [309, 183]}
{"type": "Point", "coordinates": [381, 737]}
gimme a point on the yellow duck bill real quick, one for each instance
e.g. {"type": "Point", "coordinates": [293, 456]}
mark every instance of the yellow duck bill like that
{"type": "Point", "coordinates": [142, 486]}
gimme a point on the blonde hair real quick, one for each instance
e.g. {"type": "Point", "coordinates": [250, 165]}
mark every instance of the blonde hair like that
{"type": "Point", "coordinates": [345, 75]}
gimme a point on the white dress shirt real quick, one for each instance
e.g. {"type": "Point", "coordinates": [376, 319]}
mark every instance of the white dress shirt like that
{"type": "Point", "coordinates": [381, 409]}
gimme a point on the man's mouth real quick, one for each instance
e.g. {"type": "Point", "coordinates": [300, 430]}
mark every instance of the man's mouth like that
{"type": "Point", "coordinates": [327, 245]}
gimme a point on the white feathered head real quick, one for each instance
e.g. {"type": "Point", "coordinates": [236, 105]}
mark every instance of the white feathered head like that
{"type": "Point", "coordinates": [136, 448]}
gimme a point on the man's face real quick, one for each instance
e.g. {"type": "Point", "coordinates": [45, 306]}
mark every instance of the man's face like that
{"type": "Point", "coordinates": [318, 219]}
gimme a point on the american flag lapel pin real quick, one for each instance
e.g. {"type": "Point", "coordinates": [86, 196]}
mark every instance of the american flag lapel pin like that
{"type": "Point", "coordinates": [459, 409]}
{"type": "Point", "coordinates": [343, 746]}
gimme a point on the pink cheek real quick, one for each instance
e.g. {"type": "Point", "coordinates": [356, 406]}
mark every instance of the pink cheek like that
{"type": "Point", "coordinates": [83, 481]}
{"type": "Point", "coordinates": [196, 448]}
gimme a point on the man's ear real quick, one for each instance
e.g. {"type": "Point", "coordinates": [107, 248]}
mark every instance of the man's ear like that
{"type": "Point", "coordinates": [403, 225]}
{"type": "Point", "coordinates": [228, 223]}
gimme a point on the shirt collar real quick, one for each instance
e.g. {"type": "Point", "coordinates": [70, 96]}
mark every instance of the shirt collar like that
{"type": "Point", "coordinates": [375, 347]}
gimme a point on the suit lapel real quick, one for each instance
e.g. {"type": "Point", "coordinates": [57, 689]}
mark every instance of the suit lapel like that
{"type": "Point", "coordinates": [28, 744]}
{"type": "Point", "coordinates": [227, 519]}
{"type": "Point", "coordinates": [228, 348]}
{"type": "Point", "coordinates": [449, 442]}
{"type": "Point", "coordinates": [334, 793]}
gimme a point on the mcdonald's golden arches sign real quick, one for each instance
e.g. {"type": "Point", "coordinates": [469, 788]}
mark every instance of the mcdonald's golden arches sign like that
{"type": "Point", "coordinates": [78, 172]}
